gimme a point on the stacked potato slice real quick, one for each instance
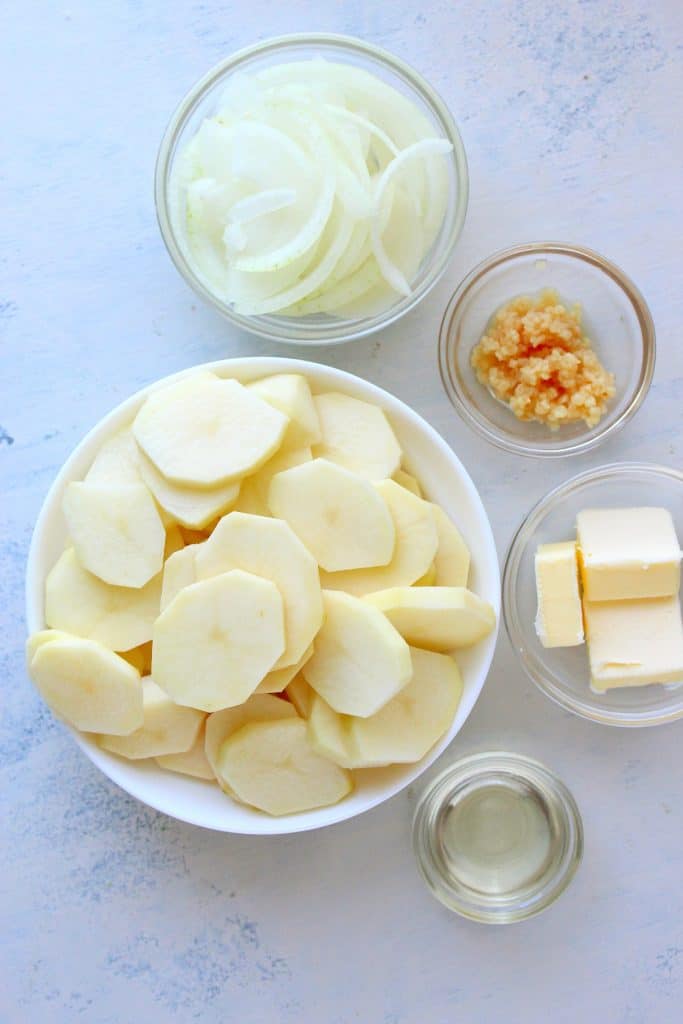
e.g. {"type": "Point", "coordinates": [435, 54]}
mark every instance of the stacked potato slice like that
{"type": "Point", "coordinates": [255, 592]}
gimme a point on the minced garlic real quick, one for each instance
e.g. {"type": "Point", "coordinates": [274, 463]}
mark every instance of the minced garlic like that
{"type": "Point", "coordinates": [535, 357]}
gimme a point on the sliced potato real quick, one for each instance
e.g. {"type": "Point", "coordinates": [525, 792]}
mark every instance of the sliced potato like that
{"type": "Point", "coordinates": [272, 766]}
{"type": "Point", "coordinates": [301, 695]}
{"type": "Point", "coordinates": [117, 461]}
{"type": "Point", "coordinates": [261, 707]}
{"type": "Point", "coordinates": [452, 560]}
{"type": "Point", "coordinates": [166, 728]}
{"type": "Point", "coordinates": [253, 497]}
{"type": "Point", "coordinates": [86, 684]}
{"type": "Point", "coordinates": [340, 517]}
{"type": "Point", "coordinates": [409, 725]}
{"type": "Point", "coordinates": [356, 435]}
{"type": "Point", "coordinates": [43, 636]}
{"type": "Point", "coordinates": [190, 506]}
{"type": "Point", "coordinates": [291, 394]}
{"type": "Point", "coordinates": [190, 762]}
{"type": "Point", "coordinates": [275, 682]}
{"type": "Point", "coordinates": [140, 658]}
{"type": "Point", "coordinates": [416, 544]}
{"type": "Point", "coordinates": [438, 618]}
{"type": "Point", "coordinates": [269, 548]}
{"type": "Point", "coordinates": [116, 531]}
{"type": "Point", "coordinates": [358, 663]}
{"type": "Point", "coordinates": [179, 572]}
{"type": "Point", "coordinates": [217, 639]}
{"type": "Point", "coordinates": [408, 481]}
{"type": "Point", "coordinates": [205, 431]}
{"type": "Point", "coordinates": [328, 733]}
{"type": "Point", "coordinates": [78, 602]}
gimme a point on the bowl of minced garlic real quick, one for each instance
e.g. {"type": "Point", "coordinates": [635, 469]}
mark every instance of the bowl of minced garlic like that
{"type": "Point", "coordinates": [535, 357]}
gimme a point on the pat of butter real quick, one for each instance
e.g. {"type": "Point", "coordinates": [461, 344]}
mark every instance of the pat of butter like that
{"type": "Point", "coordinates": [628, 553]}
{"type": "Point", "coordinates": [558, 620]}
{"type": "Point", "coordinates": [633, 643]}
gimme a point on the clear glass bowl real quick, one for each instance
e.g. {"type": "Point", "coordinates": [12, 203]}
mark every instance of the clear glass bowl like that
{"type": "Point", "coordinates": [562, 672]}
{"type": "Point", "coordinates": [200, 103]}
{"type": "Point", "coordinates": [497, 837]}
{"type": "Point", "coordinates": [615, 317]}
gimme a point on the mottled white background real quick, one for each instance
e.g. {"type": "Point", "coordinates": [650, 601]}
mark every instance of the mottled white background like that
{"type": "Point", "coordinates": [111, 913]}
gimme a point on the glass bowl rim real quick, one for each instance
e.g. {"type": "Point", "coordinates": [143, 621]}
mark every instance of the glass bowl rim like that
{"type": "Point", "coordinates": [480, 764]}
{"type": "Point", "coordinates": [515, 634]}
{"type": "Point", "coordinates": [270, 327]}
{"type": "Point", "coordinates": [480, 423]}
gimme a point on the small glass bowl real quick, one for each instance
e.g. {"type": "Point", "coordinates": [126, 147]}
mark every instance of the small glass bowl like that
{"type": "Point", "coordinates": [615, 317]}
{"type": "Point", "coordinates": [200, 102]}
{"type": "Point", "coordinates": [497, 837]}
{"type": "Point", "coordinates": [563, 672]}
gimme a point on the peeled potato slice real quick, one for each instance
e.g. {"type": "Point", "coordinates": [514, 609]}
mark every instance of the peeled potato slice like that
{"type": "Point", "coordinates": [86, 684]}
{"type": "Point", "coordinates": [356, 435]}
{"type": "Point", "coordinates": [189, 506]}
{"type": "Point", "coordinates": [43, 636]}
{"type": "Point", "coordinates": [275, 682]}
{"type": "Point", "coordinates": [253, 497]}
{"type": "Point", "coordinates": [301, 695]}
{"type": "Point", "coordinates": [408, 481]}
{"type": "Point", "coordinates": [78, 602]}
{"type": "Point", "coordinates": [438, 618]}
{"type": "Point", "coordinates": [179, 572]}
{"type": "Point", "coordinates": [217, 639]}
{"type": "Point", "coordinates": [359, 660]}
{"type": "Point", "coordinates": [116, 462]}
{"type": "Point", "coordinates": [409, 725]}
{"type": "Point", "coordinates": [416, 545]}
{"type": "Point", "coordinates": [340, 517]}
{"type": "Point", "coordinates": [272, 766]}
{"type": "Point", "coordinates": [328, 734]}
{"type": "Point", "coordinates": [269, 548]}
{"type": "Point", "coordinates": [166, 727]}
{"type": "Point", "coordinates": [205, 431]}
{"type": "Point", "coordinates": [116, 531]}
{"type": "Point", "coordinates": [291, 394]}
{"type": "Point", "coordinates": [190, 762]}
{"type": "Point", "coordinates": [261, 707]}
{"type": "Point", "coordinates": [452, 562]}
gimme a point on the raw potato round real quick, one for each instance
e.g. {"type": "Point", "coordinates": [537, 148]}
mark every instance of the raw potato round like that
{"type": "Point", "coordinates": [452, 562]}
{"type": "Point", "coordinates": [116, 531]}
{"type": "Point", "coordinates": [408, 726]}
{"type": "Point", "coordinates": [189, 506]}
{"type": "Point", "coordinates": [416, 544]}
{"type": "Point", "coordinates": [44, 636]}
{"type": "Point", "coordinates": [356, 435]}
{"type": "Point", "coordinates": [291, 394]}
{"type": "Point", "coordinates": [191, 762]}
{"type": "Point", "coordinates": [117, 461]}
{"type": "Point", "coordinates": [261, 707]}
{"type": "Point", "coordinates": [275, 682]}
{"type": "Point", "coordinates": [253, 497]}
{"type": "Point", "coordinates": [328, 734]}
{"type": "Point", "coordinates": [438, 618]}
{"type": "Point", "coordinates": [179, 572]}
{"type": "Point", "coordinates": [272, 766]}
{"type": "Point", "coordinates": [166, 727]}
{"type": "Point", "coordinates": [269, 548]}
{"type": "Point", "coordinates": [205, 431]}
{"type": "Point", "coordinates": [77, 602]}
{"type": "Point", "coordinates": [359, 660]}
{"type": "Point", "coordinates": [340, 517]}
{"type": "Point", "coordinates": [86, 684]}
{"type": "Point", "coordinates": [217, 639]}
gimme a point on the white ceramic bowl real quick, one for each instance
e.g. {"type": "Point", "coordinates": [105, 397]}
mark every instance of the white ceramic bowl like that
{"type": "Point", "coordinates": [445, 480]}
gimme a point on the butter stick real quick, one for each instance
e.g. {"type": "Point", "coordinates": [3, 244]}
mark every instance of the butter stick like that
{"type": "Point", "coordinates": [558, 621]}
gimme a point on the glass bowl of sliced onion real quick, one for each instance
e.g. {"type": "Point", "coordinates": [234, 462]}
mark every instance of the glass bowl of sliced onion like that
{"type": "Point", "coordinates": [311, 188]}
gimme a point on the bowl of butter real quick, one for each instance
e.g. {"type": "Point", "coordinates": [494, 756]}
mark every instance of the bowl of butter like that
{"type": "Point", "coordinates": [592, 597]}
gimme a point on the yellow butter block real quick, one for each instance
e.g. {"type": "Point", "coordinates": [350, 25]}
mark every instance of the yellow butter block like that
{"type": "Point", "coordinates": [558, 621]}
{"type": "Point", "coordinates": [633, 643]}
{"type": "Point", "coordinates": [628, 553]}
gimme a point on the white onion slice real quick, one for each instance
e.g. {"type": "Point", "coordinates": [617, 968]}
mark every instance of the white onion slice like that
{"type": "Point", "coordinates": [260, 204]}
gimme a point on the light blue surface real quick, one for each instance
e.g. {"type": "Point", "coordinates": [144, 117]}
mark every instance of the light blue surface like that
{"type": "Point", "coordinates": [112, 913]}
